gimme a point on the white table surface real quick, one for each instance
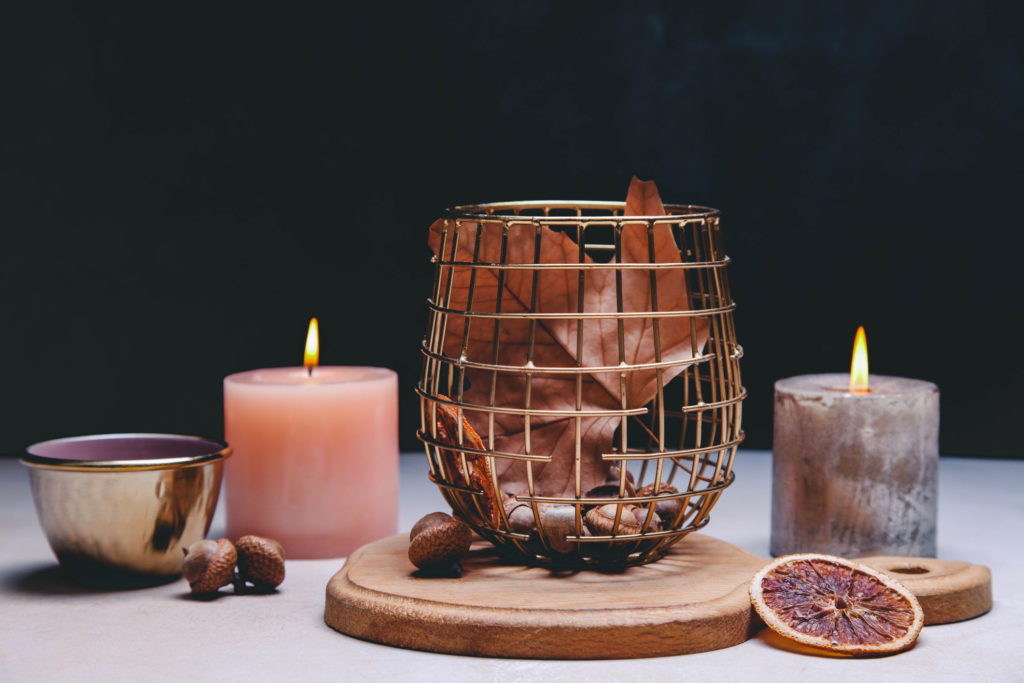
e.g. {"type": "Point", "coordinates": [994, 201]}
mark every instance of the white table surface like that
{"type": "Point", "coordinates": [55, 630]}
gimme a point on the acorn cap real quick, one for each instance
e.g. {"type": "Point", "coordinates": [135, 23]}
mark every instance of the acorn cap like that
{"type": "Point", "coordinates": [663, 489]}
{"type": "Point", "coordinates": [601, 520]}
{"type": "Point", "coordinates": [260, 561]}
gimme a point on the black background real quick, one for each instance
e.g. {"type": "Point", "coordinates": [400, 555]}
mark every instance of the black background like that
{"type": "Point", "coordinates": [184, 186]}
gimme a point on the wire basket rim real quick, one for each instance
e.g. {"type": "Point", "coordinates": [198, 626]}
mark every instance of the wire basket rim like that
{"type": "Point", "coordinates": [485, 211]}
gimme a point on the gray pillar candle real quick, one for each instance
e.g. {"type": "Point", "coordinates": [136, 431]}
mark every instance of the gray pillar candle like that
{"type": "Point", "coordinates": [854, 474]}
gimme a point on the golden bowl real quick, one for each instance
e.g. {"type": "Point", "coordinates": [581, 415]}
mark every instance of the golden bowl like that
{"type": "Point", "coordinates": [117, 509]}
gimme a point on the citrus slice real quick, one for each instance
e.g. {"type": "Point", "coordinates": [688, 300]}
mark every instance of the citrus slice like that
{"type": "Point", "coordinates": [835, 604]}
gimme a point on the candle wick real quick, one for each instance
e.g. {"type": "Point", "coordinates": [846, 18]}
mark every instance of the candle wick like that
{"type": "Point", "coordinates": [310, 368]}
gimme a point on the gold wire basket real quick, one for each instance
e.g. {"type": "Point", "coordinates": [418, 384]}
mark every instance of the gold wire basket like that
{"type": "Point", "coordinates": [580, 397]}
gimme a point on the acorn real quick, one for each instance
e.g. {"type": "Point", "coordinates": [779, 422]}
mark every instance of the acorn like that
{"type": "Point", "coordinates": [601, 520]}
{"type": "Point", "coordinates": [520, 517]}
{"type": "Point", "coordinates": [559, 523]}
{"type": "Point", "coordinates": [438, 547]}
{"type": "Point", "coordinates": [208, 565]}
{"type": "Point", "coordinates": [260, 563]}
{"type": "Point", "coordinates": [668, 509]}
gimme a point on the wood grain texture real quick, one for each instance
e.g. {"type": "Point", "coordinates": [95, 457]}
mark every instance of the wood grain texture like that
{"type": "Point", "coordinates": [948, 590]}
{"type": "Point", "coordinates": [693, 600]}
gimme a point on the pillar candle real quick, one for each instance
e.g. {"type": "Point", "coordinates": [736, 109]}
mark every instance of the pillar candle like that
{"type": "Point", "coordinates": [316, 457]}
{"type": "Point", "coordinates": [854, 474]}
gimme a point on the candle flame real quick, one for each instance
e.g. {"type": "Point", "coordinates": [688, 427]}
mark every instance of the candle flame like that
{"type": "Point", "coordinates": [312, 356]}
{"type": "Point", "coordinates": [859, 364]}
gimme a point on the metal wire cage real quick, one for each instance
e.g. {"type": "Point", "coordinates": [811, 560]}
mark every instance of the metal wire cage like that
{"type": "Point", "coordinates": [580, 396]}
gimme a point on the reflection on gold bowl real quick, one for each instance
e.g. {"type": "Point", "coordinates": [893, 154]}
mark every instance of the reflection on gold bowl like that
{"type": "Point", "coordinates": [117, 509]}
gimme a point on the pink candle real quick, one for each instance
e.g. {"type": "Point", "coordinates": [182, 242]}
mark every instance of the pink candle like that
{"type": "Point", "coordinates": [316, 457]}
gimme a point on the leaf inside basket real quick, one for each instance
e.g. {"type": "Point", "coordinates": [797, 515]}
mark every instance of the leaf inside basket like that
{"type": "Point", "coordinates": [514, 343]}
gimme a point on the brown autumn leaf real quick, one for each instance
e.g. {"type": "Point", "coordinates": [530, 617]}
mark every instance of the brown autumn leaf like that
{"type": "Point", "coordinates": [477, 473]}
{"type": "Point", "coordinates": [555, 341]}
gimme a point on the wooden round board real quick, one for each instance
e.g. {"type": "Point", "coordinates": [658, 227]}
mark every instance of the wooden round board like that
{"type": "Point", "coordinates": [694, 599]}
{"type": "Point", "coordinates": [947, 590]}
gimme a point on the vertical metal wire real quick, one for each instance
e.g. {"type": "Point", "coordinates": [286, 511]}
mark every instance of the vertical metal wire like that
{"type": "Point", "coordinates": [620, 345]}
{"type": "Point", "coordinates": [463, 353]}
{"type": "Point", "coordinates": [531, 345]}
{"type": "Point", "coordinates": [581, 281]}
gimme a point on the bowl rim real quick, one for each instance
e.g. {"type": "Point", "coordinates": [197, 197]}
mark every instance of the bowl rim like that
{"type": "Point", "coordinates": [224, 451]}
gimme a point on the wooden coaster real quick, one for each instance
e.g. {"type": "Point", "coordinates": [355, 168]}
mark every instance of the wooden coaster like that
{"type": "Point", "coordinates": [694, 599]}
{"type": "Point", "coordinates": [948, 590]}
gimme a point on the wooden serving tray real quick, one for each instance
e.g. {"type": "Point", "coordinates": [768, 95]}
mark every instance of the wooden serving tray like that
{"type": "Point", "coordinates": [694, 599]}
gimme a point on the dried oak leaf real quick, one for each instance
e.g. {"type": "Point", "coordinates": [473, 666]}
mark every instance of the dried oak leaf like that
{"type": "Point", "coordinates": [556, 342]}
{"type": "Point", "coordinates": [477, 472]}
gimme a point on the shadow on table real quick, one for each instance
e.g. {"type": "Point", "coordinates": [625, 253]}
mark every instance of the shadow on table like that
{"type": "Point", "coordinates": [774, 640]}
{"type": "Point", "coordinates": [46, 579]}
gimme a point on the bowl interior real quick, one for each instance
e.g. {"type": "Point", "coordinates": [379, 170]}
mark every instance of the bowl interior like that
{"type": "Point", "coordinates": [124, 450]}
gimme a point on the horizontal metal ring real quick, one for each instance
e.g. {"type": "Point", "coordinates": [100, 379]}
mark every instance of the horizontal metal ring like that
{"type": "Point", "coordinates": [647, 534]}
{"type": "Point", "coordinates": [661, 265]}
{"type": "Point", "coordinates": [721, 486]}
{"type": "Point", "coordinates": [454, 487]}
{"type": "Point", "coordinates": [532, 411]}
{"type": "Point", "coordinates": [700, 407]}
{"type": "Point", "coordinates": [679, 212]}
{"type": "Point", "coordinates": [592, 315]}
{"type": "Point", "coordinates": [425, 438]}
{"type": "Point", "coordinates": [564, 370]}
{"type": "Point", "coordinates": [685, 453]}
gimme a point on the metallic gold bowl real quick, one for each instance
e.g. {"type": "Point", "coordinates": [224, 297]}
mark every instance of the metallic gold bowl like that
{"type": "Point", "coordinates": [117, 509]}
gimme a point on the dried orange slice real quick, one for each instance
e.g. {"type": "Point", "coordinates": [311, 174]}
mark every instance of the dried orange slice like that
{"type": "Point", "coordinates": [835, 604]}
{"type": "Point", "coordinates": [479, 474]}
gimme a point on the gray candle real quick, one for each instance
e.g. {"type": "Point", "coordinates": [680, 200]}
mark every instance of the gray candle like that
{"type": "Point", "coordinates": [854, 474]}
